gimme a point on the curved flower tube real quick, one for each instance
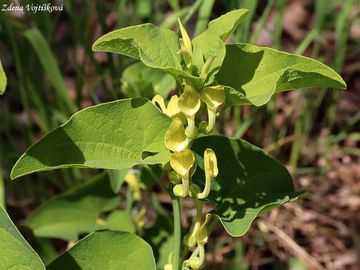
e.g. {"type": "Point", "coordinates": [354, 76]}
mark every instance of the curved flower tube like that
{"type": "Point", "coordinates": [213, 96]}
{"type": "Point", "coordinates": [189, 104]}
{"type": "Point", "coordinates": [211, 171]}
{"type": "Point", "coordinates": [182, 162]}
{"type": "Point", "coordinates": [175, 138]}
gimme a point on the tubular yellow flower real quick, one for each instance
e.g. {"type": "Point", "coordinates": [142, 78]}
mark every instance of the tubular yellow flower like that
{"type": "Point", "coordinates": [175, 138]}
{"type": "Point", "coordinates": [190, 239]}
{"type": "Point", "coordinates": [182, 162]}
{"type": "Point", "coordinates": [211, 171]}
{"type": "Point", "coordinates": [197, 260]}
{"type": "Point", "coordinates": [202, 232]}
{"type": "Point", "coordinates": [172, 109]}
{"type": "Point", "coordinates": [213, 96]}
{"type": "Point", "coordinates": [189, 104]}
{"type": "Point", "coordinates": [134, 185]}
{"type": "Point", "coordinates": [185, 45]}
{"type": "Point", "coordinates": [140, 219]}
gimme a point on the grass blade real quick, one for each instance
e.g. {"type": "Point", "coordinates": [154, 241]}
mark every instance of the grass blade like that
{"type": "Point", "coordinates": [48, 62]}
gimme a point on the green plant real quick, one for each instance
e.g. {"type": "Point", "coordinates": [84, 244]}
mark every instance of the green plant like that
{"type": "Point", "coordinates": [239, 180]}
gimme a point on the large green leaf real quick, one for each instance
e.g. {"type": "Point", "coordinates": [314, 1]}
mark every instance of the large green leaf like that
{"type": "Point", "coordinates": [224, 25]}
{"type": "Point", "coordinates": [155, 47]}
{"type": "Point", "coordinates": [253, 74]}
{"type": "Point", "coordinates": [107, 250]}
{"type": "Point", "coordinates": [140, 80]}
{"type": "Point", "coordinates": [114, 135]}
{"type": "Point", "coordinates": [75, 211]}
{"type": "Point", "coordinates": [160, 236]}
{"type": "Point", "coordinates": [119, 220]}
{"type": "Point", "coordinates": [248, 183]}
{"type": "Point", "coordinates": [15, 252]}
{"type": "Point", "coordinates": [3, 80]}
{"type": "Point", "coordinates": [211, 43]}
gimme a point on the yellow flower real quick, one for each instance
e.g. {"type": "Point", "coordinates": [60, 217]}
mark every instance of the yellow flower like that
{"type": "Point", "coordinates": [213, 96]}
{"type": "Point", "coordinates": [157, 99]}
{"type": "Point", "coordinates": [211, 171]}
{"type": "Point", "coordinates": [202, 232]}
{"type": "Point", "coordinates": [189, 103]}
{"type": "Point", "coordinates": [172, 109]}
{"type": "Point", "coordinates": [175, 138]}
{"type": "Point", "coordinates": [134, 184]}
{"type": "Point", "coordinates": [182, 162]}
{"type": "Point", "coordinates": [140, 219]}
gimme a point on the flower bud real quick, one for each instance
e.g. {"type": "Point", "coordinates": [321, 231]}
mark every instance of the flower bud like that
{"type": "Point", "coordinates": [185, 45]}
{"type": "Point", "coordinates": [178, 190]}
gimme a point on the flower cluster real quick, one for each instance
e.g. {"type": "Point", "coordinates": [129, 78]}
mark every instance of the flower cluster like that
{"type": "Point", "coordinates": [183, 129]}
{"type": "Point", "coordinates": [184, 111]}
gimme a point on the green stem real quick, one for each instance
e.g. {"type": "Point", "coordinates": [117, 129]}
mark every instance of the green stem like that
{"type": "Point", "coordinates": [177, 232]}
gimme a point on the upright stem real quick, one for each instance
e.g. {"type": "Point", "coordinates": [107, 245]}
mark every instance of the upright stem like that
{"type": "Point", "coordinates": [177, 232]}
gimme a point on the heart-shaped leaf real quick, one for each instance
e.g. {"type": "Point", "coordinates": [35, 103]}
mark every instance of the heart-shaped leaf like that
{"type": "Point", "coordinates": [155, 47]}
{"type": "Point", "coordinates": [15, 252]}
{"type": "Point", "coordinates": [107, 250]}
{"type": "Point", "coordinates": [253, 74]}
{"type": "Point", "coordinates": [160, 236]}
{"type": "Point", "coordinates": [113, 135]}
{"type": "Point", "coordinates": [75, 211]}
{"type": "Point", "coordinates": [248, 183]}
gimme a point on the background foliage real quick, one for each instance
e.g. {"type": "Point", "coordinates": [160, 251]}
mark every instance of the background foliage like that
{"type": "Point", "coordinates": [52, 72]}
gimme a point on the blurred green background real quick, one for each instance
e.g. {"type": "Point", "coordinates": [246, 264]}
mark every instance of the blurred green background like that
{"type": "Point", "coordinates": [52, 72]}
